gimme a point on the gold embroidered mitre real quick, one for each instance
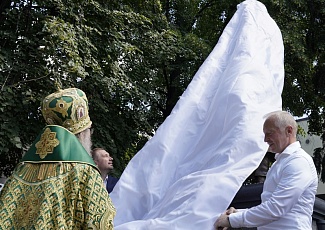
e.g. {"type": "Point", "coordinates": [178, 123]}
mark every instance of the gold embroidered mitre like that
{"type": "Point", "coordinates": [67, 108]}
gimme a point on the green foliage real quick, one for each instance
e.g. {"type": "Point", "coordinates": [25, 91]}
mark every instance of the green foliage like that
{"type": "Point", "coordinates": [134, 59]}
{"type": "Point", "coordinates": [302, 26]}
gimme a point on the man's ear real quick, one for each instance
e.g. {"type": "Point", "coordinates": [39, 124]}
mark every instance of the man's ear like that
{"type": "Point", "coordinates": [289, 130]}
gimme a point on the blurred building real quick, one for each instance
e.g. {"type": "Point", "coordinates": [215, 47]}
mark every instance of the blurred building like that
{"type": "Point", "coordinates": [309, 143]}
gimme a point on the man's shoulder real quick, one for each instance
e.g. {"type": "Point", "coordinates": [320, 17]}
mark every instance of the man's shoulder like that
{"type": "Point", "coordinates": [112, 179]}
{"type": "Point", "coordinates": [111, 182]}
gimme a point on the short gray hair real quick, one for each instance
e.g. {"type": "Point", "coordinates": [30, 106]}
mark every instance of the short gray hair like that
{"type": "Point", "coordinates": [282, 119]}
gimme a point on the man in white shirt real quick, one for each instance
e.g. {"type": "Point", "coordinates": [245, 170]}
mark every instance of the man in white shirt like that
{"type": "Point", "coordinates": [289, 189]}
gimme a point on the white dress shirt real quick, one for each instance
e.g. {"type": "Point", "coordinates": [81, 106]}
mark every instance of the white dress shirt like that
{"type": "Point", "coordinates": [105, 181]}
{"type": "Point", "coordinates": [288, 194]}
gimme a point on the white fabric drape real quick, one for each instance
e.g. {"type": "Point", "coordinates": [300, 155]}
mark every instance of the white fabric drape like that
{"type": "Point", "coordinates": [189, 172]}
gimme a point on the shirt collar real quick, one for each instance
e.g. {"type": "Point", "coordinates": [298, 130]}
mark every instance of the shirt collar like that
{"type": "Point", "coordinates": [105, 180]}
{"type": "Point", "coordinates": [289, 149]}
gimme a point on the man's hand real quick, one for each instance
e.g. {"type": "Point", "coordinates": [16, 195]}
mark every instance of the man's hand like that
{"type": "Point", "coordinates": [231, 210]}
{"type": "Point", "coordinates": [222, 223]}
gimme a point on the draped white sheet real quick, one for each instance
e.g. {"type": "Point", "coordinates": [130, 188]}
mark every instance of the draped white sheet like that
{"type": "Point", "coordinates": [189, 172]}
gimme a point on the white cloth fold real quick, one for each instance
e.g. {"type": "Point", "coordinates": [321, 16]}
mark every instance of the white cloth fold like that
{"type": "Point", "coordinates": [189, 172]}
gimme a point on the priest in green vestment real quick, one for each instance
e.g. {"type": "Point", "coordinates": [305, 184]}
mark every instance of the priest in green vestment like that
{"type": "Point", "coordinates": [57, 185]}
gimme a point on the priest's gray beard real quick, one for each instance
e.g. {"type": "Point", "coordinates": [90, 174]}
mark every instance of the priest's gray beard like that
{"type": "Point", "coordinates": [85, 140]}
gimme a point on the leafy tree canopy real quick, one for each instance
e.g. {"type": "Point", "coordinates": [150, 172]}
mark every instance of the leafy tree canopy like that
{"type": "Point", "coordinates": [134, 58]}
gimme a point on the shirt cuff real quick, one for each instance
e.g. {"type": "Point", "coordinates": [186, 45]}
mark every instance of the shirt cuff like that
{"type": "Point", "coordinates": [236, 220]}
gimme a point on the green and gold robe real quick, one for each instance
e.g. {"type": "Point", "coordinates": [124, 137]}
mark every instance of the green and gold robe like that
{"type": "Point", "coordinates": [56, 186]}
